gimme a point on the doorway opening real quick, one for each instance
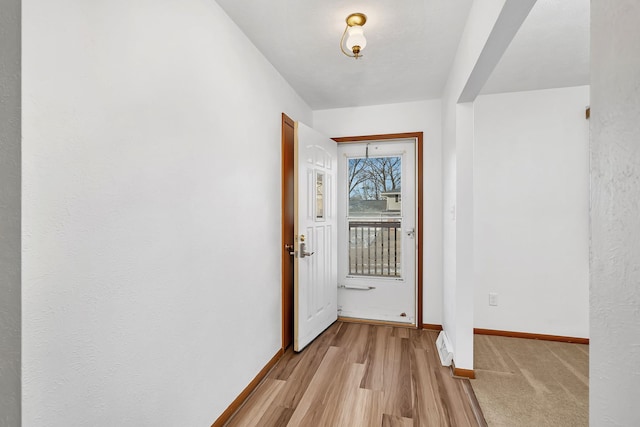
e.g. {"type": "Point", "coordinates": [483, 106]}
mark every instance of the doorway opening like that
{"type": "Point", "coordinates": [288, 212]}
{"type": "Point", "coordinates": [376, 231]}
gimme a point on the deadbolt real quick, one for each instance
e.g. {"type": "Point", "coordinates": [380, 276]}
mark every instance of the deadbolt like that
{"type": "Point", "coordinates": [290, 249]}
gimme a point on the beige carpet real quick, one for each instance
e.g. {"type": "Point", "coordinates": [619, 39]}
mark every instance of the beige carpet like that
{"type": "Point", "coordinates": [521, 382]}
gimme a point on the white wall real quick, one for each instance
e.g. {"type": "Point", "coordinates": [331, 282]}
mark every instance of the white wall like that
{"type": "Point", "coordinates": [531, 203]}
{"type": "Point", "coordinates": [10, 213]}
{"type": "Point", "coordinates": [488, 31]}
{"type": "Point", "coordinates": [424, 117]}
{"type": "Point", "coordinates": [139, 117]}
{"type": "Point", "coordinates": [457, 295]}
{"type": "Point", "coordinates": [614, 363]}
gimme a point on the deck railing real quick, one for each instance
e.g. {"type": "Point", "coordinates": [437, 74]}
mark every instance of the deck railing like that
{"type": "Point", "coordinates": [374, 248]}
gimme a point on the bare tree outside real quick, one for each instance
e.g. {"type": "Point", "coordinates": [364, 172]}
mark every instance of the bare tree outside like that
{"type": "Point", "coordinates": [370, 177]}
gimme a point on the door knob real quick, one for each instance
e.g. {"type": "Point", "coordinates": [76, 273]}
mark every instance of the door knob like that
{"type": "Point", "coordinates": [289, 248]}
{"type": "Point", "coordinates": [303, 251]}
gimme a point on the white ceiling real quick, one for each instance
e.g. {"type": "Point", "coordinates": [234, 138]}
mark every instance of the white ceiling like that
{"type": "Point", "coordinates": [550, 50]}
{"type": "Point", "coordinates": [410, 47]}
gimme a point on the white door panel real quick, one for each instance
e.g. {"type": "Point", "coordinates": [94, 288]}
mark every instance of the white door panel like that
{"type": "Point", "coordinates": [315, 281]}
{"type": "Point", "coordinates": [364, 292]}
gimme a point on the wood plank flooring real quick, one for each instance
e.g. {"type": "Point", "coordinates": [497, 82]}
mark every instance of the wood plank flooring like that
{"type": "Point", "coordinates": [361, 375]}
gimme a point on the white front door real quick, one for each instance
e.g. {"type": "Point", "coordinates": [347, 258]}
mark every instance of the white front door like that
{"type": "Point", "coordinates": [315, 229]}
{"type": "Point", "coordinates": [377, 231]}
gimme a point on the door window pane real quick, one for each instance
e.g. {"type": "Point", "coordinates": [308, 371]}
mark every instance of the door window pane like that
{"type": "Point", "coordinates": [375, 248]}
{"type": "Point", "coordinates": [319, 195]}
{"type": "Point", "coordinates": [375, 209]}
{"type": "Point", "coordinates": [375, 187]}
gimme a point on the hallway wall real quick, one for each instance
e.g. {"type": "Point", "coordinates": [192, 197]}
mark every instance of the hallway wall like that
{"type": "Point", "coordinates": [614, 364]}
{"type": "Point", "coordinates": [423, 116]}
{"type": "Point", "coordinates": [531, 175]}
{"type": "Point", "coordinates": [531, 211]}
{"type": "Point", "coordinates": [151, 212]}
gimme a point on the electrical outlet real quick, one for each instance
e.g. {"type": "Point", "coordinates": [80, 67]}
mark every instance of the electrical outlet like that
{"type": "Point", "coordinates": [493, 298]}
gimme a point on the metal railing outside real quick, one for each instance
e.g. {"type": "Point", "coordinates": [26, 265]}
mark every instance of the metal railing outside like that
{"type": "Point", "coordinates": [375, 248]}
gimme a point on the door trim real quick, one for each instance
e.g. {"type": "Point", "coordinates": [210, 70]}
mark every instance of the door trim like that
{"type": "Point", "coordinates": [418, 136]}
{"type": "Point", "coordinates": [287, 156]}
{"type": "Point", "coordinates": [288, 122]}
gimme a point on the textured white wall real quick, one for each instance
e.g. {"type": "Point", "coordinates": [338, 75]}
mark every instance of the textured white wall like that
{"type": "Point", "coordinates": [9, 213]}
{"type": "Point", "coordinates": [614, 365]}
{"type": "Point", "coordinates": [139, 305]}
{"type": "Point", "coordinates": [407, 117]}
{"type": "Point", "coordinates": [531, 202]}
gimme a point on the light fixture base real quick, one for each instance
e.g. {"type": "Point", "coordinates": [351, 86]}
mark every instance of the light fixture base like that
{"type": "Point", "coordinates": [356, 19]}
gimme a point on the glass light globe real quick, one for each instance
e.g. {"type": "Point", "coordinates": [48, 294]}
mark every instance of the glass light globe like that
{"type": "Point", "coordinates": [356, 37]}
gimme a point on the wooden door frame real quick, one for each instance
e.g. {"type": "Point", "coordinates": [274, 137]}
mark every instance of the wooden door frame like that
{"type": "Point", "coordinates": [418, 137]}
{"type": "Point", "coordinates": [287, 168]}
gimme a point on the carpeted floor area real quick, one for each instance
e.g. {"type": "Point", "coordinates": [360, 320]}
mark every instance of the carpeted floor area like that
{"type": "Point", "coordinates": [522, 382]}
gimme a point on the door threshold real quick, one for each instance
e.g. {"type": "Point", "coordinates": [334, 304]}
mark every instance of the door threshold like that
{"type": "Point", "coordinates": [376, 322]}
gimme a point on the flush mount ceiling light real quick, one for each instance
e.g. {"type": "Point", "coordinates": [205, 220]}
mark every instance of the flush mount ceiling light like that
{"type": "Point", "coordinates": [355, 41]}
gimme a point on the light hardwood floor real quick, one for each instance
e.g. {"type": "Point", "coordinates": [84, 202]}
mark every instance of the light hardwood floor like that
{"type": "Point", "coordinates": [362, 375]}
